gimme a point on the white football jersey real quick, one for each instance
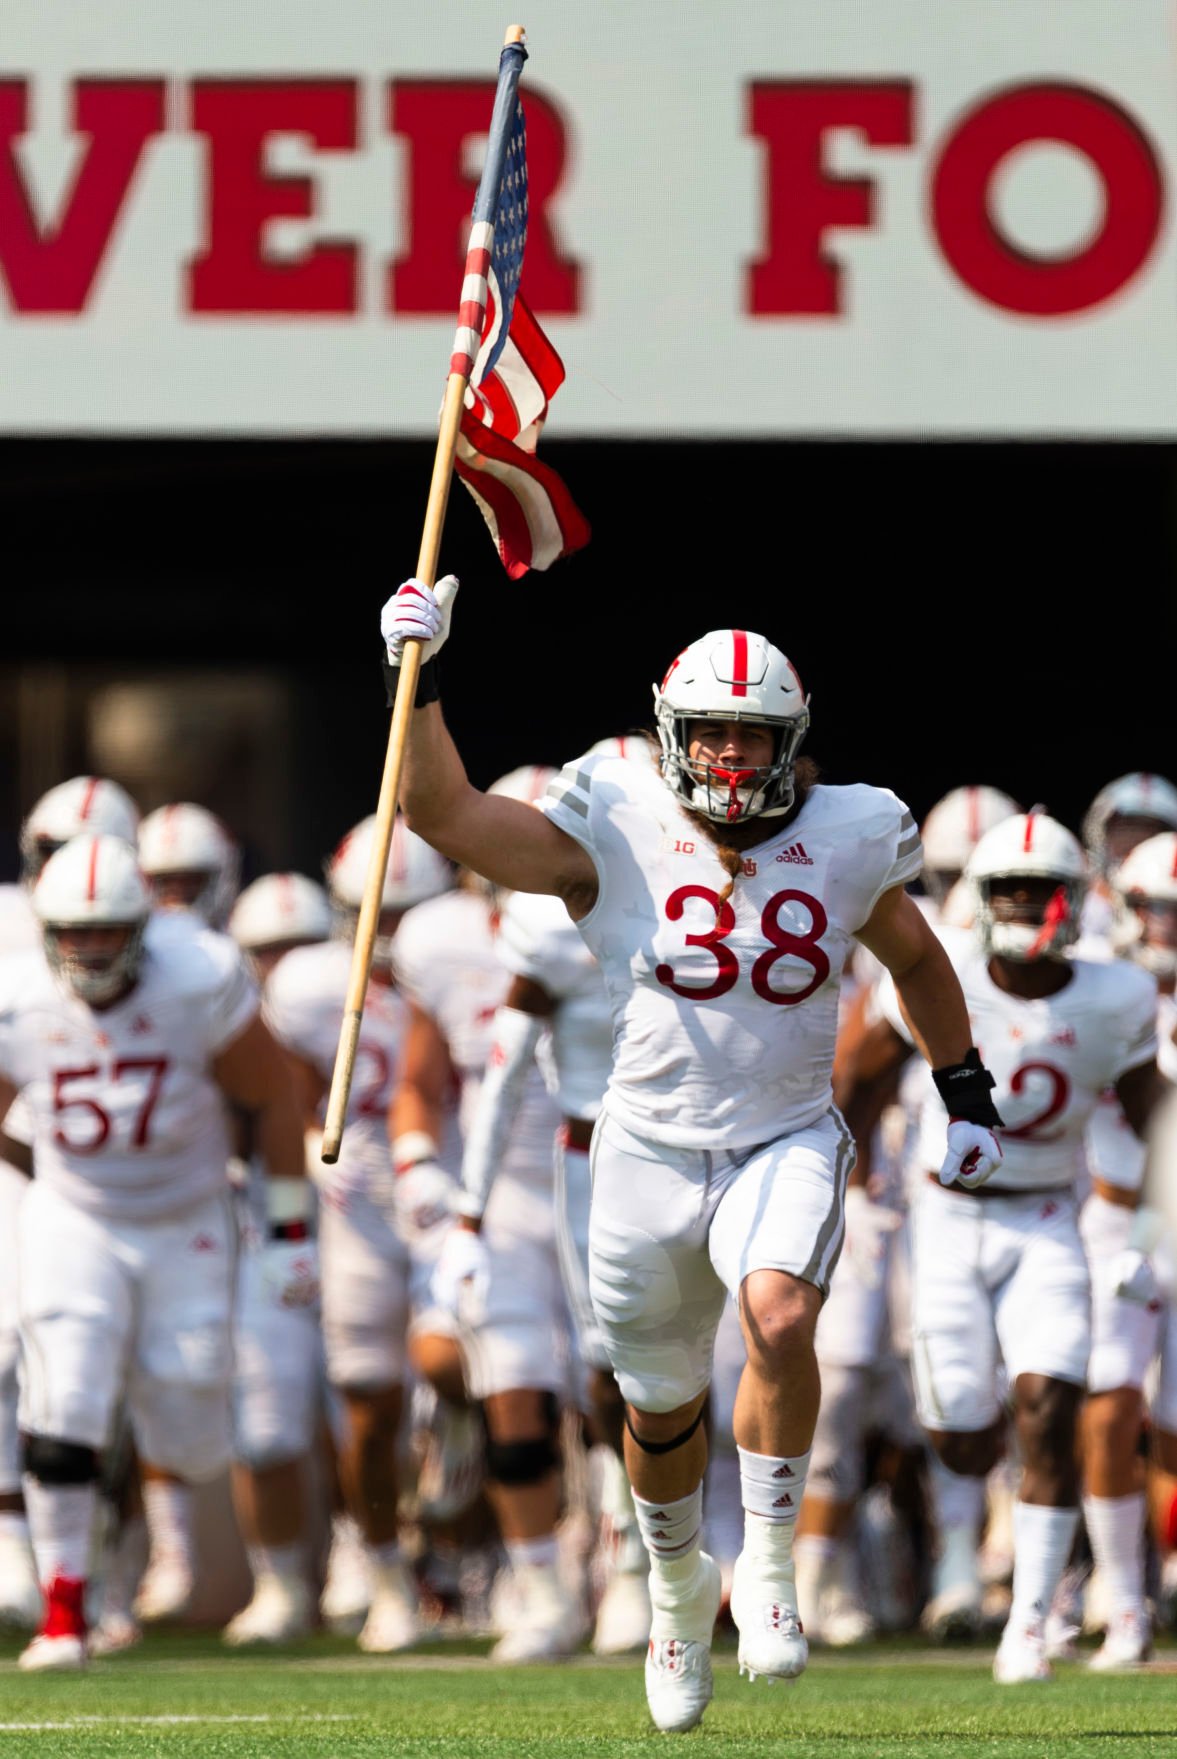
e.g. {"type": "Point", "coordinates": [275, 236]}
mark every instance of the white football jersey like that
{"type": "Point", "coordinates": [127, 1120]}
{"type": "Point", "coordinates": [19, 927]}
{"type": "Point", "coordinates": [1051, 1059]}
{"type": "Point", "coordinates": [725, 1017]}
{"type": "Point", "coordinates": [1115, 1152]}
{"type": "Point", "coordinates": [539, 941]}
{"type": "Point", "coordinates": [447, 958]}
{"type": "Point", "coordinates": [304, 1005]}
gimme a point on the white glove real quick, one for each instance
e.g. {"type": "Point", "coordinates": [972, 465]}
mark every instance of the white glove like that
{"type": "Point", "coordinates": [868, 1227]}
{"type": "Point", "coordinates": [1132, 1276]}
{"type": "Point", "coordinates": [973, 1154]}
{"type": "Point", "coordinates": [423, 1199]}
{"type": "Point", "coordinates": [290, 1272]}
{"type": "Point", "coordinates": [461, 1275]}
{"type": "Point", "coordinates": [417, 612]}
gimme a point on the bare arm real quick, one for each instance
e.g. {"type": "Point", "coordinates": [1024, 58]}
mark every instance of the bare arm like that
{"type": "Point", "coordinates": [1139, 1091]}
{"type": "Point", "coordinates": [426, 1078]}
{"type": "Point", "coordinates": [253, 1072]}
{"type": "Point", "coordinates": [506, 841]}
{"type": "Point", "coordinates": [929, 991]}
{"type": "Point", "coordinates": [18, 1154]}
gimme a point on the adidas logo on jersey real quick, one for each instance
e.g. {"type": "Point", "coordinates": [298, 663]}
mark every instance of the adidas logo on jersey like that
{"type": "Point", "coordinates": [796, 853]}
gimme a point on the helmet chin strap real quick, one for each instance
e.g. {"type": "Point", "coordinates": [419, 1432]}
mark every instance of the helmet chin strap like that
{"type": "Point", "coordinates": [1057, 913]}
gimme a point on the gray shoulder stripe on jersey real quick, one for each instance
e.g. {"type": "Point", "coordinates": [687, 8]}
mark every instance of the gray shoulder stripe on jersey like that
{"type": "Point", "coordinates": [906, 822]}
{"type": "Point", "coordinates": [568, 797]}
{"type": "Point", "coordinates": [584, 781]}
{"type": "Point", "coordinates": [908, 847]}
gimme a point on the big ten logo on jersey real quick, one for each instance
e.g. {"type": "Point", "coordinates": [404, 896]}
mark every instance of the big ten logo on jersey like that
{"type": "Point", "coordinates": [790, 968]}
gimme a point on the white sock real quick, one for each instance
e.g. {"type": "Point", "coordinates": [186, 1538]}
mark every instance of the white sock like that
{"type": "Point", "coordinates": [532, 1554]}
{"type": "Point", "coordinates": [1042, 1545]}
{"type": "Point", "coordinates": [14, 1525]}
{"type": "Point", "coordinates": [725, 1508]}
{"type": "Point", "coordinates": [61, 1517]}
{"type": "Point", "coordinates": [167, 1506]}
{"type": "Point", "coordinates": [617, 1508]}
{"type": "Point", "coordinates": [671, 1532]}
{"type": "Point", "coordinates": [817, 1558]}
{"type": "Point", "coordinates": [1115, 1526]}
{"type": "Point", "coordinates": [772, 1487]}
{"type": "Point", "coordinates": [287, 1562]}
{"type": "Point", "coordinates": [958, 1504]}
{"type": "Point", "coordinates": [123, 1563]}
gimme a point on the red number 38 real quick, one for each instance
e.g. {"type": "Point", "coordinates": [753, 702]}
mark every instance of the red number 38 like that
{"type": "Point", "coordinates": [782, 941]}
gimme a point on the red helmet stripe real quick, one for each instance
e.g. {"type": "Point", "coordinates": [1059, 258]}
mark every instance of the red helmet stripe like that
{"type": "Point", "coordinates": [92, 873]}
{"type": "Point", "coordinates": [1028, 844]}
{"type": "Point", "coordinates": [740, 662]}
{"type": "Point", "coordinates": [92, 783]}
{"type": "Point", "coordinates": [1174, 872]}
{"type": "Point", "coordinates": [973, 796]}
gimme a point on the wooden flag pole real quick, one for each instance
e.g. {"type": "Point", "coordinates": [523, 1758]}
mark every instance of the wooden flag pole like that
{"type": "Point", "coordinates": [406, 691]}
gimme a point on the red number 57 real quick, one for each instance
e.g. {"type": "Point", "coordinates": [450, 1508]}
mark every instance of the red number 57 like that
{"type": "Point", "coordinates": [155, 1068]}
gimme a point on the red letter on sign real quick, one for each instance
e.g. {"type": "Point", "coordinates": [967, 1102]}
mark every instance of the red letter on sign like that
{"type": "Point", "coordinates": [439, 119]}
{"type": "Point", "coordinates": [234, 274]}
{"type": "Point", "coordinates": [802, 201]}
{"type": "Point", "coordinates": [997, 270]}
{"type": "Point", "coordinates": [52, 269]}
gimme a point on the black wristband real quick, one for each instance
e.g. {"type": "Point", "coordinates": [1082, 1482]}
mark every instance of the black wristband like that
{"type": "Point", "coordinates": [427, 687]}
{"type": "Point", "coordinates": [965, 1088]}
{"type": "Point", "coordinates": [293, 1230]}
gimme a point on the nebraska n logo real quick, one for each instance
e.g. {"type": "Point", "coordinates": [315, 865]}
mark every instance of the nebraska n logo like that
{"type": "Point", "coordinates": [796, 853]}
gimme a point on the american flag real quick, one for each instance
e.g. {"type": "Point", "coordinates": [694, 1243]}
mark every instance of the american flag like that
{"type": "Point", "coordinates": [513, 373]}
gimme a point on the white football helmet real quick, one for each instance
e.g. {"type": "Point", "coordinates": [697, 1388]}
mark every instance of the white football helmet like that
{"type": "Point", "coordinates": [731, 675]}
{"type": "Point", "coordinates": [1137, 795]}
{"type": "Point", "coordinates": [1036, 847]}
{"type": "Point", "coordinates": [183, 838]}
{"type": "Point", "coordinates": [85, 803]}
{"type": "Point", "coordinates": [93, 882]}
{"type": "Point", "coordinates": [528, 783]}
{"type": "Point", "coordinates": [1145, 925]}
{"type": "Point", "coordinates": [280, 909]}
{"type": "Point", "coordinates": [633, 747]}
{"type": "Point", "coordinates": [952, 830]}
{"type": "Point", "coordinates": [415, 872]}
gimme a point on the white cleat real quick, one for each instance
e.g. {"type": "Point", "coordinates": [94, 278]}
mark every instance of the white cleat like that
{"type": "Point", "coordinates": [21, 1605]}
{"type": "Point", "coordinates": [166, 1590]}
{"type": "Point", "coordinates": [1062, 1638]}
{"type": "Point", "coordinates": [678, 1669]}
{"type": "Point", "coordinates": [623, 1616]}
{"type": "Point", "coordinates": [953, 1616]}
{"type": "Point", "coordinates": [1021, 1654]}
{"type": "Point", "coordinates": [280, 1612]}
{"type": "Point", "coordinates": [54, 1654]}
{"type": "Point", "coordinates": [1127, 1645]}
{"type": "Point", "coordinates": [844, 1623]}
{"type": "Point", "coordinates": [548, 1624]}
{"type": "Point", "coordinates": [393, 1622]}
{"type": "Point", "coordinates": [453, 1469]}
{"type": "Point", "coordinates": [114, 1634]}
{"type": "Point", "coordinates": [764, 1608]}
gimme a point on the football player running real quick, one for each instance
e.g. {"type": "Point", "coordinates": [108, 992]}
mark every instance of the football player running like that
{"type": "Point", "coordinates": [369, 1279]}
{"type": "Point", "coordinates": [721, 899]}
{"type": "Point", "coordinates": [1129, 1316]}
{"type": "Point", "coordinates": [1002, 1272]}
{"type": "Point", "coordinates": [84, 803]}
{"type": "Point", "coordinates": [126, 1041]}
{"type": "Point", "coordinates": [1124, 813]}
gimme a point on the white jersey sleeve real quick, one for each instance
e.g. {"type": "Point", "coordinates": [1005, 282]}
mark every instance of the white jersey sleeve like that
{"type": "Point", "coordinates": [725, 1000]}
{"type": "Point", "coordinates": [538, 941]}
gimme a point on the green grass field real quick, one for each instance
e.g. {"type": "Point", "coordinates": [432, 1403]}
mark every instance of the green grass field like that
{"type": "Point", "coordinates": [183, 1697]}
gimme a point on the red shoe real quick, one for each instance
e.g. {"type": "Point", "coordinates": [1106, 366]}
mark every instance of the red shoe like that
{"type": "Point", "coordinates": [61, 1641]}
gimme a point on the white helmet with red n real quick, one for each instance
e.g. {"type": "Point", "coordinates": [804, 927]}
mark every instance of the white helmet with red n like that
{"type": "Point", "coordinates": [1145, 884]}
{"type": "Point", "coordinates": [954, 827]}
{"type": "Point", "coordinates": [1032, 846]}
{"type": "Point", "coordinates": [731, 675]}
{"type": "Point", "coordinates": [93, 882]}
{"type": "Point", "coordinates": [280, 910]}
{"type": "Point", "coordinates": [415, 872]}
{"type": "Point", "coordinates": [182, 840]}
{"type": "Point", "coordinates": [85, 803]}
{"type": "Point", "coordinates": [1138, 795]}
{"type": "Point", "coordinates": [631, 747]}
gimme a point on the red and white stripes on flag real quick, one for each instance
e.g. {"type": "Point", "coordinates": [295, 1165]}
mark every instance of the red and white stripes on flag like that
{"type": "Point", "coordinates": [532, 517]}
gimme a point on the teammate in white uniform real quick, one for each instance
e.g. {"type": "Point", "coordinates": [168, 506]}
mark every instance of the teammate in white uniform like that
{"type": "Point", "coordinates": [126, 1040]}
{"type": "Point", "coordinates": [369, 1221]}
{"type": "Point", "coordinates": [556, 985]}
{"type": "Point", "coordinates": [191, 861]}
{"type": "Point", "coordinates": [1124, 813]}
{"type": "Point", "coordinates": [84, 803]}
{"type": "Point", "coordinates": [1128, 1312]}
{"type": "Point", "coordinates": [498, 1273]}
{"type": "Point", "coordinates": [721, 900]}
{"type": "Point", "coordinates": [277, 1348]}
{"type": "Point", "coordinates": [1004, 1271]}
{"type": "Point", "coordinates": [863, 1337]}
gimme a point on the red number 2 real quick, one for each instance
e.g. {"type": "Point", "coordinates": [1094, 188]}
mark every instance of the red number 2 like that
{"type": "Point", "coordinates": [155, 1067]}
{"type": "Point", "coordinates": [1032, 1130]}
{"type": "Point", "coordinates": [781, 941]}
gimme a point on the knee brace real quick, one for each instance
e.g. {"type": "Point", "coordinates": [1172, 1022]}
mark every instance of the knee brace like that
{"type": "Point", "coordinates": [521, 1462]}
{"type": "Point", "coordinates": [667, 1447]}
{"type": "Point", "coordinates": [50, 1461]}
